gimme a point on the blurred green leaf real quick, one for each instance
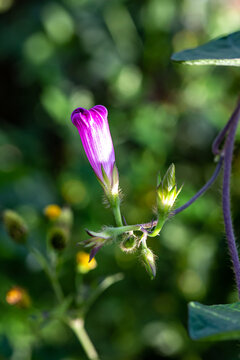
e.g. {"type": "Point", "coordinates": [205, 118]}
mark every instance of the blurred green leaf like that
{"type": "Point", "coordinates": [222, 51]}
{"type": "Point", "coordinates": [214, 322]}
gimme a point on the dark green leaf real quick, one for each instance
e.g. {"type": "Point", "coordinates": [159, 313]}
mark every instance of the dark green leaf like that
{"type": "Point", "coordinates": [215, 322]}
{"type": "Point", "coordinates": [222, 51]}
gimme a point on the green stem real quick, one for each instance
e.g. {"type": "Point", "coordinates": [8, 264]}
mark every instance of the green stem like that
{"type": "Point", "coordinates": [51, 274]}
{"type": "Point", "coordinates": [115, 205]}
{"type": "Point", "coordinates": [77, 325]}
{"type": "Point", "coordinates": [115, 231]}
{"type": "Point", "coordinates": [158, 227]}
{"type": "Point", "coordinates": [56, 286]}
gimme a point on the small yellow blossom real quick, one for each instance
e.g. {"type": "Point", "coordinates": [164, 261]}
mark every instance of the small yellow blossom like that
{"type": "Point", "coordinates": [52, 211]}
{"type": "Point", "coordinates": [83, 264]}
{"type": "Point", "coordinates": [18, 297]}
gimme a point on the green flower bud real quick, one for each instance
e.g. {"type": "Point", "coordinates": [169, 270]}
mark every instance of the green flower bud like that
{"type": "Point", "coordinates": [129, 243]}
{"type": "Point", "coordinates": [149, 261]}
{"type": "Point", "coordinates": [167, 192]}
{"type": "Point", "coordinates": [58, 238]}
{"type": "Point", "coordinates": [15, 226]}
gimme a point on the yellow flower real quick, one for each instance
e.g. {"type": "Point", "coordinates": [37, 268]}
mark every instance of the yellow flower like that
{"type": "Point", "coordinates": [83, 264]}
{"type": "Point", "coordinates": [18, 297]}
{"type": "Point", "coordinates": [52, 211]}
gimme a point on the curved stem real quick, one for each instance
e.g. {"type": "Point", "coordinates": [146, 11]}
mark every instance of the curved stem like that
{"type": "Point", "coordinates": [77, 325]}
{"type": "Point", "coordinates": [219, 139]}
{"type": "Point", "coordinates": [202, 190]}
{"type": "Point", "coordinates": [158, 228]}
{"type": "Point", "coordinates": [226, 197]}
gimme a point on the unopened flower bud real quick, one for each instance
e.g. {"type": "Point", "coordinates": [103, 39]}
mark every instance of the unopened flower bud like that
{"type": "Point", "coordinates": [167, 192]}
{"type": "Point", "coordinates": [129, 244]}
{"type": "Point", "coordinates": [83, 264]}
{"type": "Point", "coordinates": [15, 226]}
{"type": "Point", "coordinates": [18, 297]}
{"type": "Point", "coordinates": [66, 218]}
{"type": "Point", "coordinates": [94, 132]}
{"type": "Point", "coordinates": [52, 211]}
{"type": "Point", "coordinates": [149, 261]}
{"type": "Point", "coordinates": [58, 238]}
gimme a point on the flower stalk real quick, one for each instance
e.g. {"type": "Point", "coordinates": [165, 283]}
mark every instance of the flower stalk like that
{"type": "Point", "coordinates": [77, 325]}
{"type": "Point", "coordinates": [228, 148]}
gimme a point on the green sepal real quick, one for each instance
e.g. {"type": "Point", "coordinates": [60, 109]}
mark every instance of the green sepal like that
{"type": "Point", "coordinates": [115, 178]}
{"type": "Point", "coordinates": [167, 192]}
{"type": "Point", "coordinates": [105, 178]}
{"type": "Point", "coordinates": [129, 243]}
{"type": "Point", "coordinates": [169, 179]}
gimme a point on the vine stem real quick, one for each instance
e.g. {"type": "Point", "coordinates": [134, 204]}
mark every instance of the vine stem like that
{"type": "Point", "coordinates": [219, 139]}
{"type": "Point", "coordinates": [202, 190]}
{"type": "Point", "coordinates": [77, 325]}
{"type": "Point", "coordinates": [228, 148]}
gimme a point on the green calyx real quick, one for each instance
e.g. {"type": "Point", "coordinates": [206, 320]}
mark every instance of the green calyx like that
{"type": "Point", "coordinates": [129, 243]}
{"type": "Point", "coordinates": [111, 185]}
{"type": "Point", "coordinates": [167, 192]}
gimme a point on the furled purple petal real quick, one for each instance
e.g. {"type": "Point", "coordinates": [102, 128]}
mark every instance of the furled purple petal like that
{"type": "Point", "coordinates": [94, 131]}
{"type": "Point", "coordinates": [94, 251]}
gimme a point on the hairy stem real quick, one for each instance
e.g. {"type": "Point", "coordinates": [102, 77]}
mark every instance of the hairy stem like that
{"type": "Point", "coordinates": [115, 205]}
{"type": "Point", "coordinates": [158, 228]}
{"type": "Point", "coordinates": [202, 190]}
{"type": "Point", "coordinates": [219, 139]}
{"type": "Point", "coordinates": [226, 197]}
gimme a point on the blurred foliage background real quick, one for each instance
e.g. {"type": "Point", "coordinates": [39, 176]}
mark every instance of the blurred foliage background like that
{"type": "Point", "coordinates": [56, 56]}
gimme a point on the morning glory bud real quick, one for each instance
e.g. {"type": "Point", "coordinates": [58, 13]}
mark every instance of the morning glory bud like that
{"type": "Point", "coordinates": [94, 132]}
{"type": "Point", "coordinates": [167, 192]}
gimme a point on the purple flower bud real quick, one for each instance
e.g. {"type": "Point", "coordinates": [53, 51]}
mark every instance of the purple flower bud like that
{"type": "Point", "coordinates": [94, 132]}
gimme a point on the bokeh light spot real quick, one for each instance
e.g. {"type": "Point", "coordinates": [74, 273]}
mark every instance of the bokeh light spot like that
{"type": "Point", "coordinates": [74, 192]}
{"type": "Point", "coordinates": [37, 48]}
{"type": "Point", "coordinates": [58, 23]}
{"type": "Point", "coordinates": [5, 5]}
